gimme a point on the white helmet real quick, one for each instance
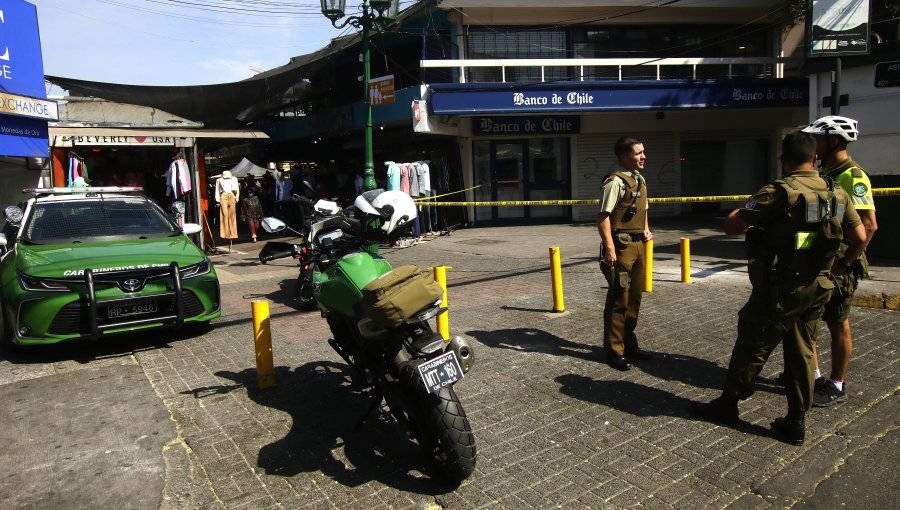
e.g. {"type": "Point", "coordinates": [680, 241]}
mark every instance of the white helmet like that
{"type": "Point", "coordinates": [843, 127]}
{"type": "Point", "coordinates": [396, 208]}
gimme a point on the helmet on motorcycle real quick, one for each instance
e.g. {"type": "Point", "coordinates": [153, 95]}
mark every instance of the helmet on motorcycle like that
{"type": "Point", "coordinates": [396, 207]}
{"type": "Point", "coordinates": [843, 127]}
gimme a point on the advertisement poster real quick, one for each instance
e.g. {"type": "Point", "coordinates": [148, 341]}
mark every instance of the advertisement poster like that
{"type": "Point", "coordinates": [838, 27]}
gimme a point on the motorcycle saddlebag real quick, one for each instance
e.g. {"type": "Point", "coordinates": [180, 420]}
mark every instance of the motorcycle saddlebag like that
{"type": "Point", "coordinates": [398, 294]}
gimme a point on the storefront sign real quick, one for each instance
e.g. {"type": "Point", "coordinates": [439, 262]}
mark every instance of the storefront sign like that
{"type": "Point", "coordinates": [24, 110]}
{"type": "Point", "coordinates": [475, 98]}
{"type": "Point", "coordinates": [887, 74]}
{"type": "Point", "coordinates": [72, 141]}
{"type": "Point", "coordinates": [838, 27]}
{"type": "Point", "coordinates": [381, 90]}
{"type": "Point", "coordinates": [22, 106]}
{"type": "Point", "coordinates": [517, 126]}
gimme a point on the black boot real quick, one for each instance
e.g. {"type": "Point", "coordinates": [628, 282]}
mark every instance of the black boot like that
{"type": "Point", "coordinates": [720, 410]}
{"type": "Point", "coordinates": [791, 429]}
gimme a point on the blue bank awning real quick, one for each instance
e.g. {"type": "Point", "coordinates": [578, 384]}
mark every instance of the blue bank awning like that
{"type": "Point", "coordinates": [633, 95]}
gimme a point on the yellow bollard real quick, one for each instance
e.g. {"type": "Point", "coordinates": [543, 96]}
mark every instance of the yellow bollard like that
{"type": "Point", "coordinates": [685, 260]}
{"type": "Point", "coordinates": [559, 304]}
{"type": "Point", "coordinates": [262, 339]}
{"type": "Point", "coordinates": [443, 320]}
{"type": "Point", "coordinates": [648, 266]}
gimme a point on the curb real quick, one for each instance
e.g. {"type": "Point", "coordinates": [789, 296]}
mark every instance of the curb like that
{"type": "Point", "coordinates": [880, 300]}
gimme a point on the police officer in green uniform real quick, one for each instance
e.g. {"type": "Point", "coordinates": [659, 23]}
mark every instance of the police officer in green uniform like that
{"type": "Point", "coordinates": [795, 228]}
{"type": "Point", "coordinates": [833, 133]}
{"type": "Point", "coordinates": [623, 226]}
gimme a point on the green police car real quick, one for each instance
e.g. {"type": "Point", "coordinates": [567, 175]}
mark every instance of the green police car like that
{"type": "Point", "coordinates": [83, 263]}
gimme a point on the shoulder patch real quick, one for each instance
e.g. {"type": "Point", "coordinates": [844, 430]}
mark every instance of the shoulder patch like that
{"type": "Point", "coordinates": [751, 204]}
{"type": "Point", "coordinates": [860, 189]}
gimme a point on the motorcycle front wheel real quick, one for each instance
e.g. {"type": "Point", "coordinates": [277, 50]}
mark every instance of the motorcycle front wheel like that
{"type": "Point", "coordinates": [441, 427]}
{"type": "Point", "coordinates": [303, 292]}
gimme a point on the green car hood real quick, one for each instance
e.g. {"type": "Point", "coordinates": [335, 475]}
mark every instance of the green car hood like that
{"type": "Point", "coordinates": [70, 260]}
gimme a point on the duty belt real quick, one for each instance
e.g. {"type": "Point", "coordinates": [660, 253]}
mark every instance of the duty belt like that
{"type": "Point", "coordinates": [635, 236]}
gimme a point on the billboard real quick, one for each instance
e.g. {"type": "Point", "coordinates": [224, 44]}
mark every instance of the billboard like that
{"type": "Point", "coordinates": [838, 27]}
{"type": "Point", "coordinates": [24, 109]}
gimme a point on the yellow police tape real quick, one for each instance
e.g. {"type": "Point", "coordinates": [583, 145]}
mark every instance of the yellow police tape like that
{"type": "Point", "coordinates": [660, 200]}
{"type": "Point", "coordinates": [425, 199]}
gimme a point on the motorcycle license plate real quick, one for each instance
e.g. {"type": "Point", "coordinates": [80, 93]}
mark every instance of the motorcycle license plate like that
{"type": "Point", "coordinates": [441, 371]}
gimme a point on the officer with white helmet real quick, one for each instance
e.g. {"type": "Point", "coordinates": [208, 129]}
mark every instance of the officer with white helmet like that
{"type": "Point", "coordinates": [833, 133]}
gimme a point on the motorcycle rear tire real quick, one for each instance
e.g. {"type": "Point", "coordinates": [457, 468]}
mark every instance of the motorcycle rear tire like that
{"type": "Point", "coordinates": [303, 294]}
{"type": "Point", "coordinates": [441, 427]}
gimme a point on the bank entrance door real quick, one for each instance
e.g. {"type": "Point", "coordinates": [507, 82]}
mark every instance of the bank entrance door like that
{"type": "Point", "coordinates": [513, 170]}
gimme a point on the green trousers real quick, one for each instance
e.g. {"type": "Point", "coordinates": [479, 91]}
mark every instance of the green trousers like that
{"type": "Point", "coordinates": [623, 297]}
{"type": "Point", "coordinates": [789, 314]}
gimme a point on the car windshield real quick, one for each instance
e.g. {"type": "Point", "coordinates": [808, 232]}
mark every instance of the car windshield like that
{"type": "Point", "coordinates": [96, 220]}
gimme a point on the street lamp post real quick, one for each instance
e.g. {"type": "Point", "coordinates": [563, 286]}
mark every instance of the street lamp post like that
{"type": "Point", "coordinates": [376, 14]}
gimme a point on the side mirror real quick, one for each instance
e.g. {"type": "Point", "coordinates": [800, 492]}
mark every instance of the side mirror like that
{"type": "Point", "coordinates": [3, 241]}
{"type": "Point", "coordinates": [273, 225]}
{"type": "Point", "coordinates": [191, 228]}
{"type": "Point", "coordinates": [13, 214]}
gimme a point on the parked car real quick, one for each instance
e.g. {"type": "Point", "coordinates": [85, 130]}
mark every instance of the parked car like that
{"type": "Point", "coordinates": [84, 263]}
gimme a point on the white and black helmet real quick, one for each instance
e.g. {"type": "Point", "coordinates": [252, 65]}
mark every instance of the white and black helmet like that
{"type": "Point", "coordinates": [394, 208]}
{"type": "Point", "coordinates": [843, 127]}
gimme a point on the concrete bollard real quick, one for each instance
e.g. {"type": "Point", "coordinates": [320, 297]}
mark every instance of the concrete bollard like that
{"type": "Point", "coordinates": [262, 340]}
{"type": "Point", "coordinates": [648, 266]}
{"type": "Point", "coordinates": [443, 320]}
{"type": "Point", "coordinates": [559, 303]}
{"type": "Point", "coordinates": [685, 260]}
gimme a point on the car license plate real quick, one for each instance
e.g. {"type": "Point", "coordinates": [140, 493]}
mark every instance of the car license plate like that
{"type": "Point", "coordinates": [126, 310]}
{"type": "Point", "coordinates": [441, 371]}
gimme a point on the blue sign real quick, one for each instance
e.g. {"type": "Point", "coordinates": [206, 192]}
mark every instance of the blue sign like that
{"type": "Point", "coordinates": [572, 97]}
{"type": "Point", "coordinates": [21, 74]}
{"type": "Point", "coordinates": [532, 125]}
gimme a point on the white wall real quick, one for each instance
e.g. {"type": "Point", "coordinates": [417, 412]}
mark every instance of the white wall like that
{"type": "Point", "coordinates": [876, 110]}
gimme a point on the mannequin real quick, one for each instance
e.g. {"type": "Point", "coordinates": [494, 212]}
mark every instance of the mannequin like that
{"type": "Point", "coordinates": [227, 191]}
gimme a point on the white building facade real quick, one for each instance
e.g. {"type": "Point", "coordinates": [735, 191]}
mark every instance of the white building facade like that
{"type": "Point", "coordinates": [539, 91]}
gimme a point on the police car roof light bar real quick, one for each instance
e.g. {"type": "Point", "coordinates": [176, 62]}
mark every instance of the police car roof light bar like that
{"type": "Point", "coordinates": [84, 190]}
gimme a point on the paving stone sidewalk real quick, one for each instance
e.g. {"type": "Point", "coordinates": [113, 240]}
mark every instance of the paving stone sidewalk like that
{"type": "Point", "coordinates": [555, 427]}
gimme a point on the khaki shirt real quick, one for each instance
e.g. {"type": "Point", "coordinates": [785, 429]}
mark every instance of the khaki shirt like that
{"type": "Point", "coordinates": [614, 190]}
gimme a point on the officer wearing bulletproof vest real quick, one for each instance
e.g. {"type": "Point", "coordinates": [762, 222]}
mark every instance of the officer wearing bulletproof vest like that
{"type": "Point", "coordinates": [622, 223]}
{"type": "Point", "coordinates": [794, 228]}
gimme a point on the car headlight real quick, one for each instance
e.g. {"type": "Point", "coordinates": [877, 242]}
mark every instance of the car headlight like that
{"type": "Point", "coordinates": [196, 270]}
{"type": "Point", "coordinates": [41, 284]}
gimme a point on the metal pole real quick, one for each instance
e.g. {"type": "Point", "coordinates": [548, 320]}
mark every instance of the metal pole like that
{"type": "Point", "coordinates": [369, 168]}
{"type": "Point", "coordinates": [685, 260]}
{"type": "Point", "coordinates": [648, 266]}
{"type": "Point", "coordinates": [262, 340]}
{"type": "Point", "coordinates": [836, 87]}
{"type": "Point", "coordinates": [559, 303]}
{"type": "Point", "coordinates": [443, 320]}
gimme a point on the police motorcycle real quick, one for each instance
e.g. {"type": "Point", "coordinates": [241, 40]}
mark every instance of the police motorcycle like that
{"type": "Point", "coordinates": [302, 252]}
{"type": "Point", "coordinates": [379, 318]}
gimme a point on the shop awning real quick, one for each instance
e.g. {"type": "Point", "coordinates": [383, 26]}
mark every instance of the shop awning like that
{"type": "Point", "coordinates": [68, 136]}
{"type": "Point", "coordinates": [146, 132]}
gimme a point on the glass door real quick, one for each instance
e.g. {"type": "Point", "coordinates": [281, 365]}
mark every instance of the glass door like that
{"type": "Point", "coordinates": [508, 169]}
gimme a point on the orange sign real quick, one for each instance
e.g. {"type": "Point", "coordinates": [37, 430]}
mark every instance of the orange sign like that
{"type": "Point", "coordinates": [381, 90]}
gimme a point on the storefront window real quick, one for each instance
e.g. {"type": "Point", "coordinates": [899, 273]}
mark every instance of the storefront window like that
{"type": "Point", "coordinates": [514, 170]}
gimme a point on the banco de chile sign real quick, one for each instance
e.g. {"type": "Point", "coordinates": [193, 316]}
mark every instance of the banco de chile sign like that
{"type": "Point", "coordinates": [24, 108]}
{"type": "Point", "coordinates": [635, 95]}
